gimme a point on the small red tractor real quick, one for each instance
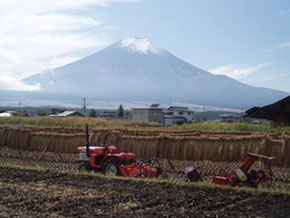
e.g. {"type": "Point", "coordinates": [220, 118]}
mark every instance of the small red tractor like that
{"type": "Point", "coordinates": [106, 159]}
{"type": "Point", "coordinates": [245, 175]}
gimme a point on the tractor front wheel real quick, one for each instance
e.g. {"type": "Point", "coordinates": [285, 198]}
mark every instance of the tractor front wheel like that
{"type": "Point", "coordinates": [84, 167]}
{"type": "Point", "coordinates": [111, 168]}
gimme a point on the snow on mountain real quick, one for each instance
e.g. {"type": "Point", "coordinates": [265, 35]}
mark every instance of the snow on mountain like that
{"type": "Point", "coordinates": [136, 69]}
{"type": "Point", "coordinates": [142, 46]}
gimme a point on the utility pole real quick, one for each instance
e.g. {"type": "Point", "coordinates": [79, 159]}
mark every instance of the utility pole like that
{"type": "Point", "coordinates": [84, 106]}
{"type": "Point", "coordinates": [19, 106]}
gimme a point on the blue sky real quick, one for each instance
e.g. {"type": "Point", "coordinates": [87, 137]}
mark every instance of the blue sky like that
{"type": "Point", "coordinates": [247, 40]}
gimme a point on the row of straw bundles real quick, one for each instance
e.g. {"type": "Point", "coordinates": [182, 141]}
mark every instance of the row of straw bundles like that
{"type": "Point", "coordinates": [99, 136]}
{"type": "Point", "coordinates": [156, 132]}
{"type": "Point", "coordinates": [14, 138]}
{"type": "Point", "coordinates": [278, 148]}
{"type": "Point", "coordinates": [142, 146]}
{"type": "Point", "coordinates": [183, 148]}
{"type": "Point", "coordinates": [3, 136]}
{"type": "Point", "coordinates": [59, 143]}
{"type": "Point", "coordinates": [221, 148]}
{"type": "Point", "coordinates": [24, 139]}
{"type": "Point", "coordinates": [187, 148]}
{"type": "Point", "coordinates": [208, 148]}
{"type": "Point", "coordinates": [58, 130]}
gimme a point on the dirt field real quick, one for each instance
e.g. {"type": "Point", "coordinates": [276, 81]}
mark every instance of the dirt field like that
{"type": "Point", "coordinates": [48, 193]}
{"type": "Point", "coordinates": [66, 162]}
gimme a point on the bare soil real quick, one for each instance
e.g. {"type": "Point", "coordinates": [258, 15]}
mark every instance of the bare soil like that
{"type": "Point", "coordinates": [66, 162]}
{"type": "Point", "coordinates": [50, 193]}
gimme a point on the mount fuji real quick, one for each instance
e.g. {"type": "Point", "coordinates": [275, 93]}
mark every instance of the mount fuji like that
{"type": "Point", "coordinates": [136, 69]}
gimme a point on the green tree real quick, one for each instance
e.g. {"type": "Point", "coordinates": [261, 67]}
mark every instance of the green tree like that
{"type": "Point", "coordinates": [92, 113]}
{"type": "Point", "coordinates": [120, 111]}
{"type": "Point", "coordinates": [41, 113]}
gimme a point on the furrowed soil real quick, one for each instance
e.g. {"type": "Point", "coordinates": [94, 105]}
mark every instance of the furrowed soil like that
{"type": "Point", "coordinates": [49, 193]}
{"type": "Point", "coordinates": [66, 162]}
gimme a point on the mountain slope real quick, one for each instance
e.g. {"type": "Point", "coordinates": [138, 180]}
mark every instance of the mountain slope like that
{"type": "Point", "coordinates": [137, 69]}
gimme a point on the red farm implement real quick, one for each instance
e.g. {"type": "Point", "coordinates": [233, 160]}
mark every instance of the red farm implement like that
{"type": "Point", "coordinates": [248, 174]}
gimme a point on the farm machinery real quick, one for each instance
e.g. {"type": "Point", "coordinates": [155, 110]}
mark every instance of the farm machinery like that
{"type": "Point", "coordinates": [245, 175]}
{"type": "Point", "coordinates": [107, 159]}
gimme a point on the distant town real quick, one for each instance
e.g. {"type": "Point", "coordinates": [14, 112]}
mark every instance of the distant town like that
{"type": "Point", "coordinates": [165, 116]}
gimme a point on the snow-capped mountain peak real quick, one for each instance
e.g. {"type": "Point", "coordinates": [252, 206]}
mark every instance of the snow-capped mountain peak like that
{"type": "Point", "coordinates": [141, 45]}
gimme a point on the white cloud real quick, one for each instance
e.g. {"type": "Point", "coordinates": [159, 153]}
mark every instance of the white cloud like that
{"type": "Point", "coordinates": [37, 35]}
{"type": "Point", "coordinates": [59, 5]}
{"type": "Point", "coordinates": [236, 71]}
{"type": "Point", "coordinates": [10, 83]}
{"type": "Point", "coordinates": [276, 47]}
{"type": "Point", "coordinates": [283, 45]}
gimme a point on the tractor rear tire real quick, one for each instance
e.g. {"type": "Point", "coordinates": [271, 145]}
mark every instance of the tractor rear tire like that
{"type": "Point", "coordinates": [111, 167]}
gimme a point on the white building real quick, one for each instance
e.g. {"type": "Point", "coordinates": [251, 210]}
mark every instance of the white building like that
{"type": "Point", "coordinates": [181, 114]}
{"type": "Point", "coordinates": [167, 117]}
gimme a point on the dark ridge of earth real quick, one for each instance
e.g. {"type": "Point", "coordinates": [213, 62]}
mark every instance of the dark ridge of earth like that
{"type": "Point", "coordinates": [39, 193]}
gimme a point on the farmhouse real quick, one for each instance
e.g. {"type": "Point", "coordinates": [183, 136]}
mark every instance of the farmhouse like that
{"type": "Point", "coordinates": [182, 114]}
{"type": "Point", "coordinates": [166, 117]}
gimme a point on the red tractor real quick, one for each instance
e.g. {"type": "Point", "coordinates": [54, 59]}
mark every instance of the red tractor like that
{"type": "Point", "coordinates": [106, 159]}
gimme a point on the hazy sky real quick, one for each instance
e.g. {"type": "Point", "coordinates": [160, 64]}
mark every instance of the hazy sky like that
{"type": "Point", "coordinates": [248, 40]}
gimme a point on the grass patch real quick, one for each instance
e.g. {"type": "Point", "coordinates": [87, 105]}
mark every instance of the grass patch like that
{"type": "Point", "coordinates": [73, 122]}
{"type": "Point", "coordinates": [231, 127]}
{"type": "Point", "coordinates": [79, 122]}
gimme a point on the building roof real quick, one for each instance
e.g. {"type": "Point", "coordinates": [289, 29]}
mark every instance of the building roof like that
{"type": "Point", "coordinates": [6, 114]}
{"type": "Point", "coordinates": [66, 114]}
{"type": "Point", "coordinates": [148, 108]}
{"type": "Point", "coordinates": [230, 115]}
{"type": "Point", "coordinates": [278, 111]}
{"type": "Point", "coordinates": [176, 107]}
{"type": "Point", "coordinates": [173, 108]}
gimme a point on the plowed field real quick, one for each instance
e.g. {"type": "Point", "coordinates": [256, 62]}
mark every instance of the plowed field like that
{"type": "Point", "coordinates": [66, 162]}
{"type": "Point", "coordinates": [49, 193]}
